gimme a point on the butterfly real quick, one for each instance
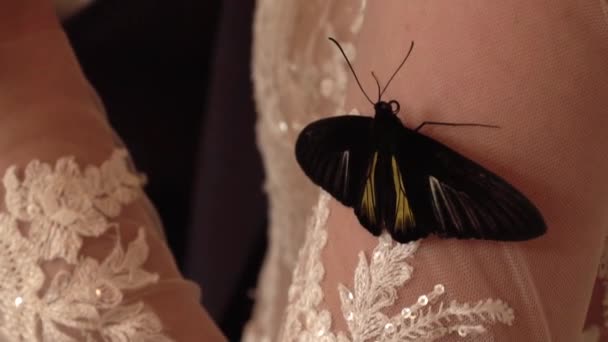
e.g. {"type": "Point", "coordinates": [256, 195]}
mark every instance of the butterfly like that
{"type": "Point", "coordinates": [402, 181]}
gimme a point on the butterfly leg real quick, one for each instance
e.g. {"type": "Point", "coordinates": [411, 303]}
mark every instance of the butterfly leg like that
{"type": "Point", "coordinates": [436, 123]}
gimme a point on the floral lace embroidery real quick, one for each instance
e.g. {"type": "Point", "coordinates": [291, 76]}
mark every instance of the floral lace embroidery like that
{"type": "Point", "coordinates": [49, 213]}
{"type": "Point", "coordinates": [63, 205]}
{"type": "Point", "coordinates": [375, 289]}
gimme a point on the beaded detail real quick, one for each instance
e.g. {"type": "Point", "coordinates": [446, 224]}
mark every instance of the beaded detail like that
{"type": "Point", "coordinates": [375, 289]}
{"type": "Point", "coordinates": [50, 210]}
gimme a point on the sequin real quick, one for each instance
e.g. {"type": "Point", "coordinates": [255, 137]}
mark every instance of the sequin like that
{"type": "Point", "coordinates": [350, 316]}
{"type": "Point", "coordinates": [439, 289]}
{"type": "Point", "coordinates": [406, 312]}
{"type": "Point", "coordinates": [351, 297]}
{"type": "Point", "coordinates": [283, 126]}
{"type": "Point", "coordinates": [18, 301]}
{"type": "Point", "coordinates": [389, 328]}
{"type": "Point", "coordinates": [462, 331]}
{"type": "Point", "coordinates": [423, 300]}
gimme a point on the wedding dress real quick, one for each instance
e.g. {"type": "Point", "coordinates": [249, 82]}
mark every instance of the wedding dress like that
{"type": "Point", "coordinates": [77, 231]}
{"type": "Point", "coordinates": [319, 285]}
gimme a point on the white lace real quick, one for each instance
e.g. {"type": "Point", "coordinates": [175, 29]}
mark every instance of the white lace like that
{"type": "Point", "coordinates": [50, 210]}
{"type": "Point", "coordinates": [375, 289]}
{"type": "Point", "coordinates": [299, 76]}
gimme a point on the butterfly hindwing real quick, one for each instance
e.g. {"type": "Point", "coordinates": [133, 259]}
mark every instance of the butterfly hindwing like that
{"type": "Point", "coordinates": [452, 196]}
{"type": "Point", "coordinates": [401, 217]}
{"type": "Point", "coordinates": [370, 200]}
{"type": "Point", "coordinates": [384, 202]}
{"type": "Point", "coordinates": [335, 154]}
{"type": "Point", "coordinates": [393, 208]}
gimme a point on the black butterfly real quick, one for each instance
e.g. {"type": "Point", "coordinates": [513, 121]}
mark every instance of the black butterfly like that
{"type": "Point", "coordinates": [407, 183]}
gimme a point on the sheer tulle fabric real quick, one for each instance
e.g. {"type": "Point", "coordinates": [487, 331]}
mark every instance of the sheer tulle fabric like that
{"type": "Point", "coordinates": [535, 69]}
{"type": "Point", "coordinates": [105, 267]}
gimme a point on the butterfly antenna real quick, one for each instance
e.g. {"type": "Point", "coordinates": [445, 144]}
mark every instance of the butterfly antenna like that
{"type": "Point", "coordinates": [398, 68]}
{"type": "Point", "coordinates": [351, 69]}
{"type": "Point", "coordinates": [377, 85]}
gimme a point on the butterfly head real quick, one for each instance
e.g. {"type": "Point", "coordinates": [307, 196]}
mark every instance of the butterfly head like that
{"type": "Point", "coordinates": [385, 109]}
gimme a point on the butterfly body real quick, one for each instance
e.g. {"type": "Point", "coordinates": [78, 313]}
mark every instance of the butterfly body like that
{"type": "Point", "coordinates": [399, 180]}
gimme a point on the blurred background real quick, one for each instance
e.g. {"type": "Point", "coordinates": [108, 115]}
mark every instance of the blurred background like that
{"type": "Point", "coordinates": [175, 79]}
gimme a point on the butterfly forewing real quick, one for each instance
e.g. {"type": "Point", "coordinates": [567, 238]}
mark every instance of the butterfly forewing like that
{"type": "Point", "coordinates": [335, 154]}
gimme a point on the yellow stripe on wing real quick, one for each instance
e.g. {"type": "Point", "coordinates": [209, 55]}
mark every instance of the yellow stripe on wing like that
{"type": "Point", "coordinates": [404, 217]}
{"type": "Point", "coordinates": [368, 203]}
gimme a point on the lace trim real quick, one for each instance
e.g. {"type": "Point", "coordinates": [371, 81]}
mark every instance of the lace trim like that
{"type": "Point", "coordinates": [375, 289]}
{"type": "Point", "coordinates": [298, 76]}
{"type": "Point", "coordinates": [49, 212]}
